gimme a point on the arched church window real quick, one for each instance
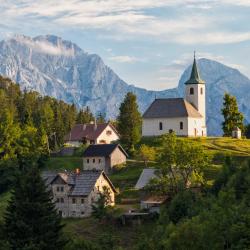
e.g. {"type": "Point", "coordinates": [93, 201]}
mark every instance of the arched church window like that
{"type": "Point", "coordinates": [201, 91]}
{"type": "Point", "coordinates": [191, 91]}
{"type": "Point", "coordinates": [181, 125]}
{"type": "Point", "coordinates": [160, 125]}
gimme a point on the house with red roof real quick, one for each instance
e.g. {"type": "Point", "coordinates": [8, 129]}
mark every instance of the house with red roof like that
{"type": "Point", "coordinates": [91, 133]}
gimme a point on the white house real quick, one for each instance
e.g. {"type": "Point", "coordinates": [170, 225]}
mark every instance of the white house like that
{"type": "Point", "coordinates": [91, 133]}
{"type": "Point", "coordinates": [185, 116]}
{"type": "Point", "coordinates": [103, 157]}
{"type": "Point", "coordinates": [75, 193]}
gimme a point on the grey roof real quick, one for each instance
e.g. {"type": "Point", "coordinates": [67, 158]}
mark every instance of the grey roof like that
{"type": "Point", "coordinates": [195, 76]}
{"type": "Point", "coordinates": [102, 150]}
{"type": "Point", "coordinates": [145, 177]}
{"type": "Point", "coordinates": [48, 176]}
{"type": "Point", "coordinates": [82, 183]}
{"type": "Point", "coordinates": [171, 108]}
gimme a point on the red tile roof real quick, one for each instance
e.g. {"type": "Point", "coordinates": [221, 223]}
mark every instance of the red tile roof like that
{"type": "Point", "coordinates": [88, 131]}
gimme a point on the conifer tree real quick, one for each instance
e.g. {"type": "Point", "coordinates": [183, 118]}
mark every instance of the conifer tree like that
{"type": "Point", "coordinates": [31, 221]}
{"type": "Point", "coordinates": [129, 122]}
{"type": "Point", "coordinates": [85, 116]}
{"type": "Point", "coordinates": [101, 118]}
{"type": "Point", "coordinates": [232, 117]}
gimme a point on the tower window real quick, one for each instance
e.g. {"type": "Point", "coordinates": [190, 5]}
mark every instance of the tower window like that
{"type": "Point", "coordinates": [181, 125]}
{"type": "Point", "coordinates": [201, 91]}
{"type": "Point", "coordinates": [191, 91]}
{"type": "Point", "coordinates": [160, 125]}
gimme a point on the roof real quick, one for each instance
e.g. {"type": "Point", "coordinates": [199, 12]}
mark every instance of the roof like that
{"type": "Point", "coordinates": [82, 183]}
{"type": "Point", "coordinates": [155, 199]}
{"type": "Point", "coordinates": [171, 108]}
{"type": "Point", "coordinates": [145, 177]}
{"type": "Point", "coordinates": [48, 176]}
{"type": "Point", "coordinates": [89, 131]}
{"type": "Point", "coordinates": [103, 150]}
{"type": "Point", "coordinates": [195, 76]}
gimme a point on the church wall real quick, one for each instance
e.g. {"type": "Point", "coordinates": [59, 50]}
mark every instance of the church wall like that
{"type": "Point", "coordinates": [196, 124]}
{"type": "Point", "coordinates": [150, 126]}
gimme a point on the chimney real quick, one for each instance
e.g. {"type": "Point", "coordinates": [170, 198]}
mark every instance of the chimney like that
{"type": "Point", "coordinates": [78, 171]}
{"type": "Point", "coordinates": [95, 127]}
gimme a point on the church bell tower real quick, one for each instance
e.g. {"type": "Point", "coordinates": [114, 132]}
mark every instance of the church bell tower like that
{"type": "Point", "coordinates": [195, 92]}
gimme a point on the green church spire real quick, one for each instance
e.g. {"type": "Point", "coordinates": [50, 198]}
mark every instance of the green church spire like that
{"type": "Point", "coordinates": [195, 76]}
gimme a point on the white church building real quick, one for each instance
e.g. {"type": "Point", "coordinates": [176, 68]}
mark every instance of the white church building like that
{"type": "Point", "coordinates": [184, 116]}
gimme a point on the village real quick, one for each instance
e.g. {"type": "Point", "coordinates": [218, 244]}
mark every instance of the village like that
{"type": "Point", "coordinates": [76, 191]}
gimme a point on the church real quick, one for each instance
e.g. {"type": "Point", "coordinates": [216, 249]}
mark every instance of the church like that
{"type": "Point", "coordinates": [184, 116]}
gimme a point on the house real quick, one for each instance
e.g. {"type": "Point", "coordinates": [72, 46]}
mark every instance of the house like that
{"type": "Point", "coordinates": [236, 133]}
{"type": "Point", "coordinates": [185, 116]}
{"type": "Point", "coordinates": [153, 204]}
{"type": "Point", "coordinates": [146, 176]}
{"type": "Point", "coordinates": [91, 133]}
{"type": "Point", "coordinates": [103, 157]}
{"type": "Point", "coordinates": [75, 193]}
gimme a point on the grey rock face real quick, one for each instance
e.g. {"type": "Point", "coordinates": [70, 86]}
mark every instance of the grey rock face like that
{"type": "Point", "coordinates": [61, 69]}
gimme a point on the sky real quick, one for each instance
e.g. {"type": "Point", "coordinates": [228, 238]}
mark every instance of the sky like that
{"type": "Point", "coordinates": [148, 43]}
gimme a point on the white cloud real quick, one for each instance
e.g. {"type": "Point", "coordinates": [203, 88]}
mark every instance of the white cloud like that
{"type": "Point", "coordinates": [129, 19]}
{"type": "Point", "coordinates": [44, 46]}
{"type": "Point", "coordinates": [124, 59]}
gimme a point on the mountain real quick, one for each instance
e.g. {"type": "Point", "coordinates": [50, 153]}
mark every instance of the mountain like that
{"type": "Point", "coordinates": [59, 68]}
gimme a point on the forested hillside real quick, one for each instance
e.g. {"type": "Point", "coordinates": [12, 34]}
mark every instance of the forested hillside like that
{"type": "Point", "coordinates": [31, 127]}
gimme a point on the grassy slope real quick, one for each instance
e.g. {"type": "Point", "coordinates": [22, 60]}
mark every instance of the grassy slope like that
{"type": "Point", "coordinates": [126, 178]}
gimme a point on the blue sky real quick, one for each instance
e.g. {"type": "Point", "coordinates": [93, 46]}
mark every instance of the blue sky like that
{"type": "Point", "coordinates": [148, 43]}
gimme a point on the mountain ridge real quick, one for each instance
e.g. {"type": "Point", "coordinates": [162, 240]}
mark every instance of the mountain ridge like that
{"type": "Point", "coordinates": [59, 68]}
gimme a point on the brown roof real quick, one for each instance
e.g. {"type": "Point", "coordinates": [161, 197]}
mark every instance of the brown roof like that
{"type": "Point", "coordinates": [155, 199]}
{"type": "Point", "coordinates": [171, 108]}
{"type": "Point", "coordinates": [89, 131]}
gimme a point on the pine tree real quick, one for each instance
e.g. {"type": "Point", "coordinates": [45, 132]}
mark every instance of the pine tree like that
{"type": "Point", "coordinates": [101, 118]}
{"type": "Point", "coordinates": [232, 117]}
{"type": "Point", "coordinates": [31, 221]}
{"type": "Point", "coordinates": [85, 116]}
{"type": "Point", "coordinates": [129, 122]}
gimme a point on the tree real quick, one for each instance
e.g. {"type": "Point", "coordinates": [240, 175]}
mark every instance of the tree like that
{"type": "Point", "coordinates": [100, 207]}
{"type": "Point", "coordinates": [129, 122]}
{"type": "Point", "coordinates": [147, 154]}
{"type": "Point", "coordinates": [182, 163]}
{"type": "Point", "coordinates": [100, 118]}
{"type": "Point", "coordinates": [232, 117]}
{"type": "Point", "coordinates": [85, 116]}
{"type": "Point", "coordinates": [31, 220]}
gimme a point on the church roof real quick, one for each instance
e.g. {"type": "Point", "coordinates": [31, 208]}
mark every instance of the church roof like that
{"type": "Point", "coordinates": [195, 76]}
{"type": "Point", "coordinates": [171, 108]}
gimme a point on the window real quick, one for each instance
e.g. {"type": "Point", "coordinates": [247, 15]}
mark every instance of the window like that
{"type": "Point", "coordinates": [99, 160]}
{"type": "Point", "coordinates": [60, 213]}
{"type": "Point", "coordinates": [62, 200]}
{"type": "Point", "coordinates": [82, 213]}
{"type": "Point", "coordinates": [57, 200]}
{"type": "Point", "coordinates": [201, 91]}
{"type": "Point", "coordinates": [62, 189]}
{"type": "Point", "coordinates": [93, 160]}
{"type": "Point", "coordinates": [191, 91]}
{"type": "Point", "coordinates": [109, 132]}
{"type": "Point", "coordinates": [87, 160]}
{"type": "Point", "coordinates": [58, 189]}
{"type": "Point", "coordinates": [98, 188]}
{"type": "Point", "coordinates": [82, 201]}
{"type": "Point", "coordinates": [181, 125]}
{"type": "Point", "coordinates": [74, 200]}
{"type": "Point", "coordinates": [170, 131]}
{"type": "Point", "coordinates": [160, 125]}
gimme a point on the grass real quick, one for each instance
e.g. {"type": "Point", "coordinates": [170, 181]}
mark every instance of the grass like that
{"type": "Point", "coordinates": [62, 163]}
{"type": "Point", "coordinates": [91, 229]}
